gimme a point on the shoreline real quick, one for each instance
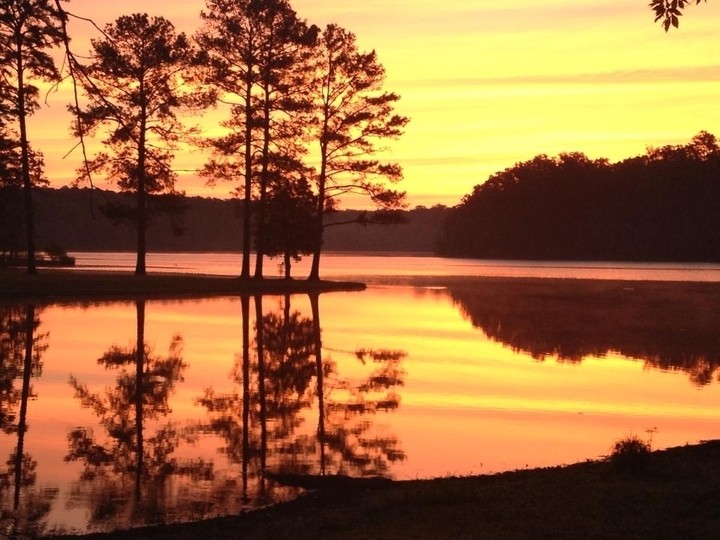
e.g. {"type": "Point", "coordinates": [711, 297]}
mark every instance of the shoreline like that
{"type": "Point", "coordinates": [673, 495]}
{"type": "Point", "coordinates": [56, 285]}
{"type": "Point", "coordinates": [53, 285]}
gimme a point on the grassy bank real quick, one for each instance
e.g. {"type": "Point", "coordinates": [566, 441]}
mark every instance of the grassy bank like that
{"type": "Point", "coordinates": [676, 494]}
{"type": "Point", "coordinates": [64, 285]}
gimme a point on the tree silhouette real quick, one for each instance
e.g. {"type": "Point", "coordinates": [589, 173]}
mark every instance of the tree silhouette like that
{"type": "Point", "coordinates": [256, 60]}
{"type": "Point", "coordinates": [231, 415]}
{"type": "Point", "coordinates": [283, 85]}
{"type": "Point", "coordinates": [344, 433]}
{"type": "Point", "coordinates": [10, 210]}
{"type": "Point", "coordinates": [28, 29]}
{"type": "Point", "coordinates": [12, 201]}
{"type": "Point", "coordinates": [289, 223]}
{"type": "Point", "coordinates": [21, 349]}
{"type": "Point", "coordinates": [288, 345]}
{"type": "Point", "coordinates": [669, 11]}
{"type": "Point", "coordinates": [12, 340]}
{"type": "Point", "coordinates": [664, 206]}
{"type": "Point", "coordinates": [273, 374]}
{"type": "Point", "coordinates": [280, 377]}
{"type": "Point", "coordinates": [354, 113]}
{"type": "Point", "coordinates": [135, 86]}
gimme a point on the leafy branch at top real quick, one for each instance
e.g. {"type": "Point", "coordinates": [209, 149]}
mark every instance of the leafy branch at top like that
{"type": "Point", "coordinates": [670, 11]}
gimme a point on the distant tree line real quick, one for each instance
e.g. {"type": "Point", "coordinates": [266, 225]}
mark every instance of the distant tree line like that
{"type": "Point", "coordinates": [663, 206]}
{"type": "Point", "coordinates": [305, 112]}
{"type": "Point", "coordinates": [64, 220]}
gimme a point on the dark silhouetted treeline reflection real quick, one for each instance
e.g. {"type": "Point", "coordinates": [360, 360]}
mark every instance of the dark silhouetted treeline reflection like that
{"type": "Point", "coordinates": [663, 206]}
{"type": "Point", "coordinates": [23, 506]}
{"type": "Point", "coordinates": [668, 326]}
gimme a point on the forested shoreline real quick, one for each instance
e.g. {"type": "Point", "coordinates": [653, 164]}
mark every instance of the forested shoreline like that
{"type": "Point", "coordinates": [306, 118]}
{"type": "Point", "coordinates": [661, 206]}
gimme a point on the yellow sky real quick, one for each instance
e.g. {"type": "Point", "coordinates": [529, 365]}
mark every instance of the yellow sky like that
{"type": "Point", "coordinates": [488, 84]}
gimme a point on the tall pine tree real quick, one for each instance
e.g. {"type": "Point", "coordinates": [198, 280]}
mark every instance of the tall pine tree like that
{"type": "Point", "coordinates": [257, 57]}
{"type": "Point", "coordinates": [354, 114]}
{"type": "Point", "coordinates": [135, 86]}
{"type": "Point", "coordinates": [29, 29]}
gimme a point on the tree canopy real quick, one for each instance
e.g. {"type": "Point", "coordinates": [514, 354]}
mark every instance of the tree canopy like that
{"type": "Point", "coordinates": [28, 30]}
{"type": "Point", "coordinates": [663, 206]}
{"type": "Point", "coordinates": [134, 87]}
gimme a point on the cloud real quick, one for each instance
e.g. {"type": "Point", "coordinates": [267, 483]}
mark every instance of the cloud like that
{"type": "Point", "coordinates": [698, 74]}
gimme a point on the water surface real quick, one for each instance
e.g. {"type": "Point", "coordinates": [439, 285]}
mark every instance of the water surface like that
{"type": "Point", "coordinates": [360, 266]}
{"type": "Point", "coordinates": [404, 381]}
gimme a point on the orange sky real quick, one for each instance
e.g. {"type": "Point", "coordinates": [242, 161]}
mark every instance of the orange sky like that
{"type": "Point", "coordinates": [486, 84]}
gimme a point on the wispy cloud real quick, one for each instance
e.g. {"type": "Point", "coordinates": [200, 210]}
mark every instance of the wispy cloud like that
{"type": "Point", "coordinates": [699, 74]}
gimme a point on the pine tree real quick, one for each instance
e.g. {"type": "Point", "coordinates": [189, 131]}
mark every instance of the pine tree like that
{"type": "Point", "coordinates": [29, 29]}
{"type": "Point", "coordinates": [257, 57]}
{"type": "Point", "coordinates": [354, 113]}
{"type": "Point", "coordinates": [135, 86]}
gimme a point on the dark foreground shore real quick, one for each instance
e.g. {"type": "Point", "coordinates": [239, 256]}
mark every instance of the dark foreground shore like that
{"type": "Point", "coordinates": [674, 494]}
{"type": "Point", "coordinates": [65, 285]}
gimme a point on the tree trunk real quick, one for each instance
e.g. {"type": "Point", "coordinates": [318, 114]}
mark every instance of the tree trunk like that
{"type": "Point", "coordinates": [264, 180]}
{"type": "Point", "coordinates": [260, 340]}
{"type": "Point", "coordinates": [318, 229]}
{"type": "Point", "coordinates": [322, 181]}
{"type": "Point", "coordinates": [287, 264]}
{"type": "Point", "coordinates": [247, 191]}
{"type": "Point", "coordinates": [315, 267]}
{"type": "Point", "coordinates": [140, 265]}
{"type": "Point", "coordinates": [25, 165]}
{"type": "Point", "coordinates": [140, 268]}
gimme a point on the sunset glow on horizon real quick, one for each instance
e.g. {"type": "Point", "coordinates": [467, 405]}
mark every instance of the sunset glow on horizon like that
{"type": "Point", "coordinates": [486, 85]}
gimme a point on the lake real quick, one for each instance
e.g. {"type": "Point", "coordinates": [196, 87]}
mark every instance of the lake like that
{"type": "Point", "coordinates": [363, 266]}
{"type": "Point", "coordinates": [441, 367]}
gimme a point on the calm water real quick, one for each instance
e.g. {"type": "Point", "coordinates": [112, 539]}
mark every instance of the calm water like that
{"type": "Point", "coordinates": [372, 265]}
{"type": "Point", "coordinates": [468, 377]}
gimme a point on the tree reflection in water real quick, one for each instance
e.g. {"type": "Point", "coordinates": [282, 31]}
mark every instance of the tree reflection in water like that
{"type": "Point", "coordinates": [669, 326]}
{"type": "Point", "coordinates": [266, 426]}
{"type": "Point", "coordinates": [344, 431]}
{"type": "Point", "coordinates": [273, 373]}
{"type": "Point", "coordinates": [22, 506]}
{"type": "Point", "coordinates": [128, 466]}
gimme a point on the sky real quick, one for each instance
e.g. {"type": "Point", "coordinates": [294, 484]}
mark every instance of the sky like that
{"type": "Point", "coordinates": [485, 84]}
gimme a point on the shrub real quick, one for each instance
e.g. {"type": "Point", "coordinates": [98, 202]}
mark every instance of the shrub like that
{"type": "Point", "coordinates": [630, 455]}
